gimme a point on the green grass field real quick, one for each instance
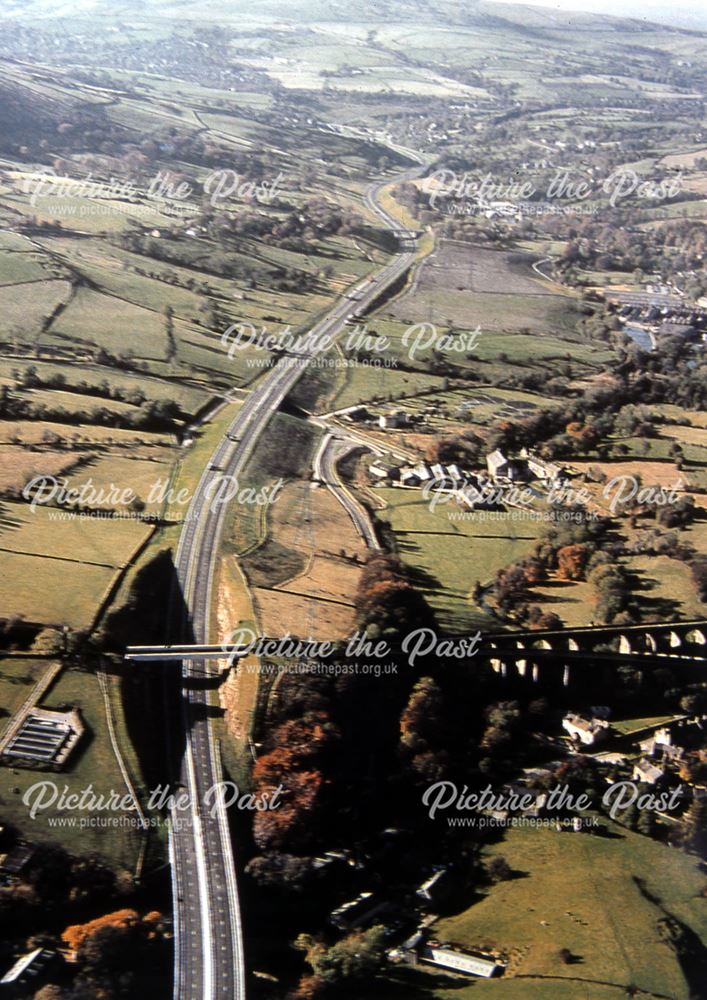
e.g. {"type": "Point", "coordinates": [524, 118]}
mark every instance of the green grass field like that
{"type": "Point", "coordinates": [284, 452]}
{"type": "Point", "coordinates": [453, 555]}
{"type": "Point", "coordinates": [533, 989]}
{"type": "Point", "coordinates": [573, 601]}
{"type": "Point", "coordinates": [144, 292]}
{"type": "Point", "coordinates": [361, 383]}
{"type": "Point", "coordinates": [627, 726]}
{"type": "Point", "coordinates": [694, 454]}
{"type": "Point", "coordinates": [100, 541]}
{"type": "Point", "coordinates": [115, 474]}
{"type": "Point", "coordinates": [68, 594]}
{"type": "Point", "coordinates": [58, 571]}
{"type": "Point", "coordinates": [24, 308]}
{"type": "Point", "coordinates": [94, 763]}
{"type": "Point", "coordinates": [488, 60]}
{"type": "Point", "coordinates": [76, 558]}
{"type": "Point", "coordinates": [15, 242]}
{"type": "Point", "coordinates": [464, 348]}
{"type": "Point", "coordinates": [20, 267]}
{"type": "Point", "coordinates": [540, 314]}
{"type": "Point", "coordinates": [96, 320]}
{"type": "Point", "coordinates": [579, 892]}
{"type": "Point", "coordinates": [666, 587]}
{"type": "Point", "coordinates": [17, 678]}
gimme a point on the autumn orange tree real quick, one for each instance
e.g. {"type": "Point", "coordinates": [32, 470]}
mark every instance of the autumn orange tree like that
{"type": "Point", "coordinates": [75, 935]}
{"type": "Point", "coordinates": [292, 821]}
{"type": "Point", "coordinates": [585, 434]}
{"type": "Point", "coordinates": [299, 749]}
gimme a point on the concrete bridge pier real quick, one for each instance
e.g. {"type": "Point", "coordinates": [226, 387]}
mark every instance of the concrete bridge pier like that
{"type": "Point", "coordinates": [521, 665]}
{"type": "Point", "coordinates": [625, 644]}
{"type": "Point", "coordinates": [499, 666]}
{"type": "Point", "coordinates": [696, 640]}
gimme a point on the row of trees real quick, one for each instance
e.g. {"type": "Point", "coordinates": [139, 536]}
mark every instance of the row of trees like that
{"type": "Point", "coordinates": [31, 378]}
{"type": "Point", "coordinates": [315, 219]}
{"type": "Point", "coordinates": [578, 549]}
{"type": "Point", "coordinates": [299, 751]}
{"type": "Point", "coordinates": [114, 955]}
{"type": "Point", "coordinates": [673, 246]}
{"type": "Point", "coordinates": [151, 415]}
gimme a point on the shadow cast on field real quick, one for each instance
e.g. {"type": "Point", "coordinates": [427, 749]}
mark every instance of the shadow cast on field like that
{"type": "Point", "coordinates": [606, 833]}
{"type": "Point", "coordinates": [159, 704]}
{"type": "Point", "coordinates": [517, 873]}
{"type": "Point", "coordinates": [407, 983]}
{"type": "Point", "coordinates": [558, 584]}
{"type": "Point", "coordinates": [7, 522]}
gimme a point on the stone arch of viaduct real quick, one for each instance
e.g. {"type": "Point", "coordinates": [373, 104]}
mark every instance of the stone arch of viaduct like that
{"type": "Point", "coordinates": [558, 654]}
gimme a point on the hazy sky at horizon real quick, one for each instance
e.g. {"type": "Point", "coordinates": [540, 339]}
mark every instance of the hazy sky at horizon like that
{"type": "Point", "coordinates": [684, 14]}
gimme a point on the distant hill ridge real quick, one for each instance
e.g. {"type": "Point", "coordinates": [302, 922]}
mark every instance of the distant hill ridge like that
{"type": "Point", "coordinates": [453, 12]}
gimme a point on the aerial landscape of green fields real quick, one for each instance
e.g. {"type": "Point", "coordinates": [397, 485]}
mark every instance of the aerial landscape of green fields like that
{"type": "Point", "coordinates": [353, 500]}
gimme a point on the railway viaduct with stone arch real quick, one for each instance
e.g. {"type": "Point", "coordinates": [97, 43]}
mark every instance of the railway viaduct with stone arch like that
{"type": "Point", "coordinates": [534, 654]}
